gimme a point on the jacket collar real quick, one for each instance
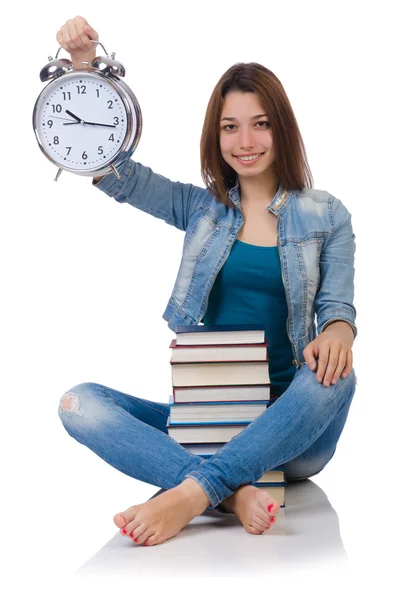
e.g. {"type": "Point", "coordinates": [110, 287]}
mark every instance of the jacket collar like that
{"type": "Point", "coordinates": [278, 204]}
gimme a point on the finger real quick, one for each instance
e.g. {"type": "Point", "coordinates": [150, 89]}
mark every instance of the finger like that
{"type": "Point", "coordinates": [60, 41]}
{"type": "Point", "coordinates": [349, 363]}
{"type": "Point", "coordinates": [74, 34]}
{"type": "Point", "coordinates": [91, 32]}
{"type": "Point", "coordinates": [322, 360]}
{"type": "Point", "coordinates": [86, 40]}
{"type": "Point", "coordinates": [333, 361]}
{"type": "Point", "coordinates": [340, 366]}
{"type": "Point", "coordinates": [309, 357]}
{"type": "Point", "coordinates": [83, 29]}
{"type": "Point", "coordinates": [69, 45]}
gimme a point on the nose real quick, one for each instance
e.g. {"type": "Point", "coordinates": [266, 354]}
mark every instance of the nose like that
{"type": "Point", "coordinates": [246, 138]}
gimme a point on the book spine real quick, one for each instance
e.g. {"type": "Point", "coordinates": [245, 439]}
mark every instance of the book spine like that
{"type": "Point", "coordinates": [221, 430]}
{"type": "Point", "coordinates": [222, 403]}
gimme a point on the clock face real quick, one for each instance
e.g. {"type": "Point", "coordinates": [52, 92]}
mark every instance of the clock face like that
{"type": "Point", "coordinates": [81, 121]}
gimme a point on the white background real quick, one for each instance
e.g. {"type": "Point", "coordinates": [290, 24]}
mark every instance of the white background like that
{"type": "Point", "coordinates": [85, 280]}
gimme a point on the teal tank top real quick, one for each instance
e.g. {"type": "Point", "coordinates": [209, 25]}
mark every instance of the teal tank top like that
{"type": "Point", "coordinates": [249, 290]}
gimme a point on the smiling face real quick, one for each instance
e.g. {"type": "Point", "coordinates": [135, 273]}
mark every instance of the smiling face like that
{"type": "Point", "coordinates": [246, 141]}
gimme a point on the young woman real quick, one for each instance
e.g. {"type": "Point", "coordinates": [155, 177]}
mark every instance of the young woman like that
{"type": "Point", "coordinates": [261, 247]}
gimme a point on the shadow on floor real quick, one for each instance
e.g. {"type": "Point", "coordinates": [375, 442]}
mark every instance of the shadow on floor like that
{"type": "Point", "coordinates": [305, 535]}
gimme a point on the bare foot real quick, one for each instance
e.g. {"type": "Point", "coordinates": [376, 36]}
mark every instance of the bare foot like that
{"type": "Point", "coordinates": [163, 517]}
{"type": "Point", "coordinates": [255, 508]}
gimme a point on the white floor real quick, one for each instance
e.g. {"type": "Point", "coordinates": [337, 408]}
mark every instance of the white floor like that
{"type": "Point", "coordinates": [306, 534]}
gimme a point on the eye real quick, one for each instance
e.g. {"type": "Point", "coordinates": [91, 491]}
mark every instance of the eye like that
{"type": "Point", "coordinates": [263, 124]}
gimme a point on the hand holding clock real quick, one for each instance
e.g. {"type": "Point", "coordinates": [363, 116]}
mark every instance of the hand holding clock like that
{"type": "Point", "coordinates": [77, 89]}
{"type": "Point", "coordinates": [75, 37]}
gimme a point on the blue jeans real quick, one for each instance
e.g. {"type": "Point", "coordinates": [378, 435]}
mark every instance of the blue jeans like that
{"type": "Point", "coordinates": [299, 430]}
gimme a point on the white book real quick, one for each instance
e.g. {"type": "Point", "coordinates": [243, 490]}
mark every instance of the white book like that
{"type": "Point", "coordinates": [208, 433]}
{"type": "Point", "coordinates": [220, 353]}
{"type": "Point", "coordinates": [198, 374]}
{"type": "Point", "coordinates": [224, 393]}
{"type": "Point", "coordinates": [210, 412]}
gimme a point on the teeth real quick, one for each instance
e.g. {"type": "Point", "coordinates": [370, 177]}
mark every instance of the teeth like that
{"type": "Point", "coordinates": [248, 158]}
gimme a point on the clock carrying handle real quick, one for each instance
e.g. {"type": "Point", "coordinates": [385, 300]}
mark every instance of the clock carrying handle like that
{"type": "Point", "coordinates": [104, 64]}
{"type": "Point", "coordinates": [94, 42]}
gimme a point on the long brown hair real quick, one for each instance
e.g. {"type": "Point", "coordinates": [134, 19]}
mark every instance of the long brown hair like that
{"type": "Point", "coordinates": [291, 163]}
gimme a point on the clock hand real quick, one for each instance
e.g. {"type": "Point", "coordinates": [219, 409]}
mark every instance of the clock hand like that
{"type": "Point", "coordinates": [63, 119]}
{"type": "Point", "coordinates": [89, 123]}
{"type": "Point", "coordinates": [74, 116]}
{"type": "Point", "coordinates": [102, 124]}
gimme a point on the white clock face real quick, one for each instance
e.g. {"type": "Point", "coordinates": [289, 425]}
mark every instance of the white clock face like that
{"type": "Point", "coordinates": [81, 121]}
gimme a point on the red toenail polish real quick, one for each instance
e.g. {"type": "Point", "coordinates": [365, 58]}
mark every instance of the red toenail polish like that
{"type": "Point", "coordinates": [131, 535]}
{"type": "Point", "coordinates": [269, 508]}
{"type": "Point", "coordinates": [124, 531]}
{"type": "Point", "coordinates": [271, 519]}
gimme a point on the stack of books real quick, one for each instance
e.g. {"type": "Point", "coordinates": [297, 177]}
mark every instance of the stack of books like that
{"type": "Point", "coordinates": [220, 384]}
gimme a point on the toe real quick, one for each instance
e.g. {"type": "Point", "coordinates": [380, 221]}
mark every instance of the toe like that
{"type": "Point", "coordinates": [259, 527]}
{"type": "Point", "coordinates": [262, 521]}
{"type": "Point", "coordinates": [150, 541]}
{"type": "Point", "coordinates": [275, 508]}
{"type": "Point", "coordinates": [268, 503]}
{"type": "Point", "coordinates": [119, 520]}
{"type": "Point", "coordinates": [138, 533]}
{"type": "Point", "coordinates": [252, 529]}
{"type": "Point", "coordinates": [129, 514]}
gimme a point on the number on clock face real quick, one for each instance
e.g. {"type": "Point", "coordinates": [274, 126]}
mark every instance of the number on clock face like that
{"type": "Point", "coordinates": [80, 97]}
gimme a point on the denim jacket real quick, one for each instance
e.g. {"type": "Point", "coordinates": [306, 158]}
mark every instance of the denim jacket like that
{"type": "Point", "coordinates": [315, 242]}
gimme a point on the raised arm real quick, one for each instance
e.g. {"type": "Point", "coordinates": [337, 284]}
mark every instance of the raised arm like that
{"type": "Point", "coordinates": [173, 202]}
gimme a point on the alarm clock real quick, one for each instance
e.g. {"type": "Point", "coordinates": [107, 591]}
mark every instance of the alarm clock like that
{"type": "Point", "coordinates": [88, 122]}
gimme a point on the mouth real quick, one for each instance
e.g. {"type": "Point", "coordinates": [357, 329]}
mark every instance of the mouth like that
{"type": "Point", "coordinates": [248, 158]}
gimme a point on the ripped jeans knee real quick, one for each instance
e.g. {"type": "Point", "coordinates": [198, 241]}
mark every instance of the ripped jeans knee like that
{"type": "Point", "coordinates": [85, 400]}
{"type": "Point", "coordinates": [69, 401]}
